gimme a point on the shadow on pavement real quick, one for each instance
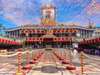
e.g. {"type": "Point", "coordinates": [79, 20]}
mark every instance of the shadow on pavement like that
{"type": "Point", "coordinates": [49, 69]}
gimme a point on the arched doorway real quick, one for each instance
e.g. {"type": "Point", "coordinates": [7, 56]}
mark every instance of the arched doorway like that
{"type": "Point", "coordinates": [48, 40]}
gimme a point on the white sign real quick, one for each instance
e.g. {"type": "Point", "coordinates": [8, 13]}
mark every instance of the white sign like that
{"type": "Point", "coordinates": [75, 45]}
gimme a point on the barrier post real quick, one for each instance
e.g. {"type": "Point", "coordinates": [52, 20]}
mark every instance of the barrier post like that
{"type": "Point", "coordinates": [81, 61]}
{"type": "Point", "coordinates": [28, 57]}
{"type": "Point", "coordinates": [19, 57]}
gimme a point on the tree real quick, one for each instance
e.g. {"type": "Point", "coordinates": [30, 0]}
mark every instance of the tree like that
{"type": "Point", "coordinates": [2, 28]}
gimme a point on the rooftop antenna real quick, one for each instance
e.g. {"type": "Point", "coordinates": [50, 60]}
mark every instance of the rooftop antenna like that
{"type": "Point", "coordinates": [91, 23]}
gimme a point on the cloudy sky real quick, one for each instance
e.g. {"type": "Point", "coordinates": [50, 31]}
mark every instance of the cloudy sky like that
{"type": "Point", "coordinates": [20, 12]}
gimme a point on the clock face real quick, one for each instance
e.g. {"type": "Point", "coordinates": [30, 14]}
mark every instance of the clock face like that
{"type": "Point", "coordinates": [48, 14]}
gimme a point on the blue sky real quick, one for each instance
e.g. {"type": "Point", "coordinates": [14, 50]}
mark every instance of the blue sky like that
{"type": "Point", "coordinates": [20, 12]}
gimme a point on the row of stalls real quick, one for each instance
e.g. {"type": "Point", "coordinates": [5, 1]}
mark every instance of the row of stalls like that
{"type": "Point", "coordinates": [36, 42]}
{"type": "Point", "coordinates": [91, 46]}
{"type": "Point", "coordinates": [54, 42]}
{"type": "Point", "coordinates": [8, 43]}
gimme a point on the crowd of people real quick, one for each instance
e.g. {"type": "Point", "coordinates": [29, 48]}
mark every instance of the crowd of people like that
{"type": "Point", "coordinates": [92, 51]}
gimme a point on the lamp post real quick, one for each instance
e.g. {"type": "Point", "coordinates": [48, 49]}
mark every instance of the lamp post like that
{"type": "Point", "coordinates": [81, 58]}
{"type": "Point", "coordinates": [70, 45]}
{"type": "Point", "coordinates": [70, 51]}
{"type": "Point", "coordinates": [19, 59]}
{"type": "Point", "coordinates": [27, 53]}
{"type": "Point", "coordinates": [28, 67]}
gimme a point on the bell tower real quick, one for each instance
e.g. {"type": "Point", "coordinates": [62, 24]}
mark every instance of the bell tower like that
{"type": "Point", "coordinates": [48, 15]}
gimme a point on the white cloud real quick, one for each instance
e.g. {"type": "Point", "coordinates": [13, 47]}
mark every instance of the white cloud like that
{"type": "Point", "coordinates": [14, 10]}
{"type": "Point", "coordinates": [47, 1]}
{"type": "Point", "coordinates": [93, 8]}
{"type": "Point", "coordinates": [25, 11]}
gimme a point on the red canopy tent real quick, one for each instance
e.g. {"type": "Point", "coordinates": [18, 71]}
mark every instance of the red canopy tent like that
{"type": "Point", "coordinates": [9, 42]}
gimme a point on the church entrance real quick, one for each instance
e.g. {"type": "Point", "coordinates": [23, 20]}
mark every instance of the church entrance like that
{"type": "Point", "coordinates": [48, 42]}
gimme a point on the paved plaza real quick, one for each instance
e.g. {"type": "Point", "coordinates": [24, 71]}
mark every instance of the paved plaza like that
{"type": "Point", "coordinates": [48, 64]}
{"type": "Point", "coordinates": [49, 37]}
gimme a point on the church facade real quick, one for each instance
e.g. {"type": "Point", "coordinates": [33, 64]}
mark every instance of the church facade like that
{"type": "Point", "coordinates": [50, 33]}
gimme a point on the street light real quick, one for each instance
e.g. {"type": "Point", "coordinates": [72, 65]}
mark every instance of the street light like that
{"type": "Point", "coordinates": [28, 54]}
{"type": "Point", "coordinates": [81, 57]}
{"type": "Point", "coordinates": [70, 45]}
